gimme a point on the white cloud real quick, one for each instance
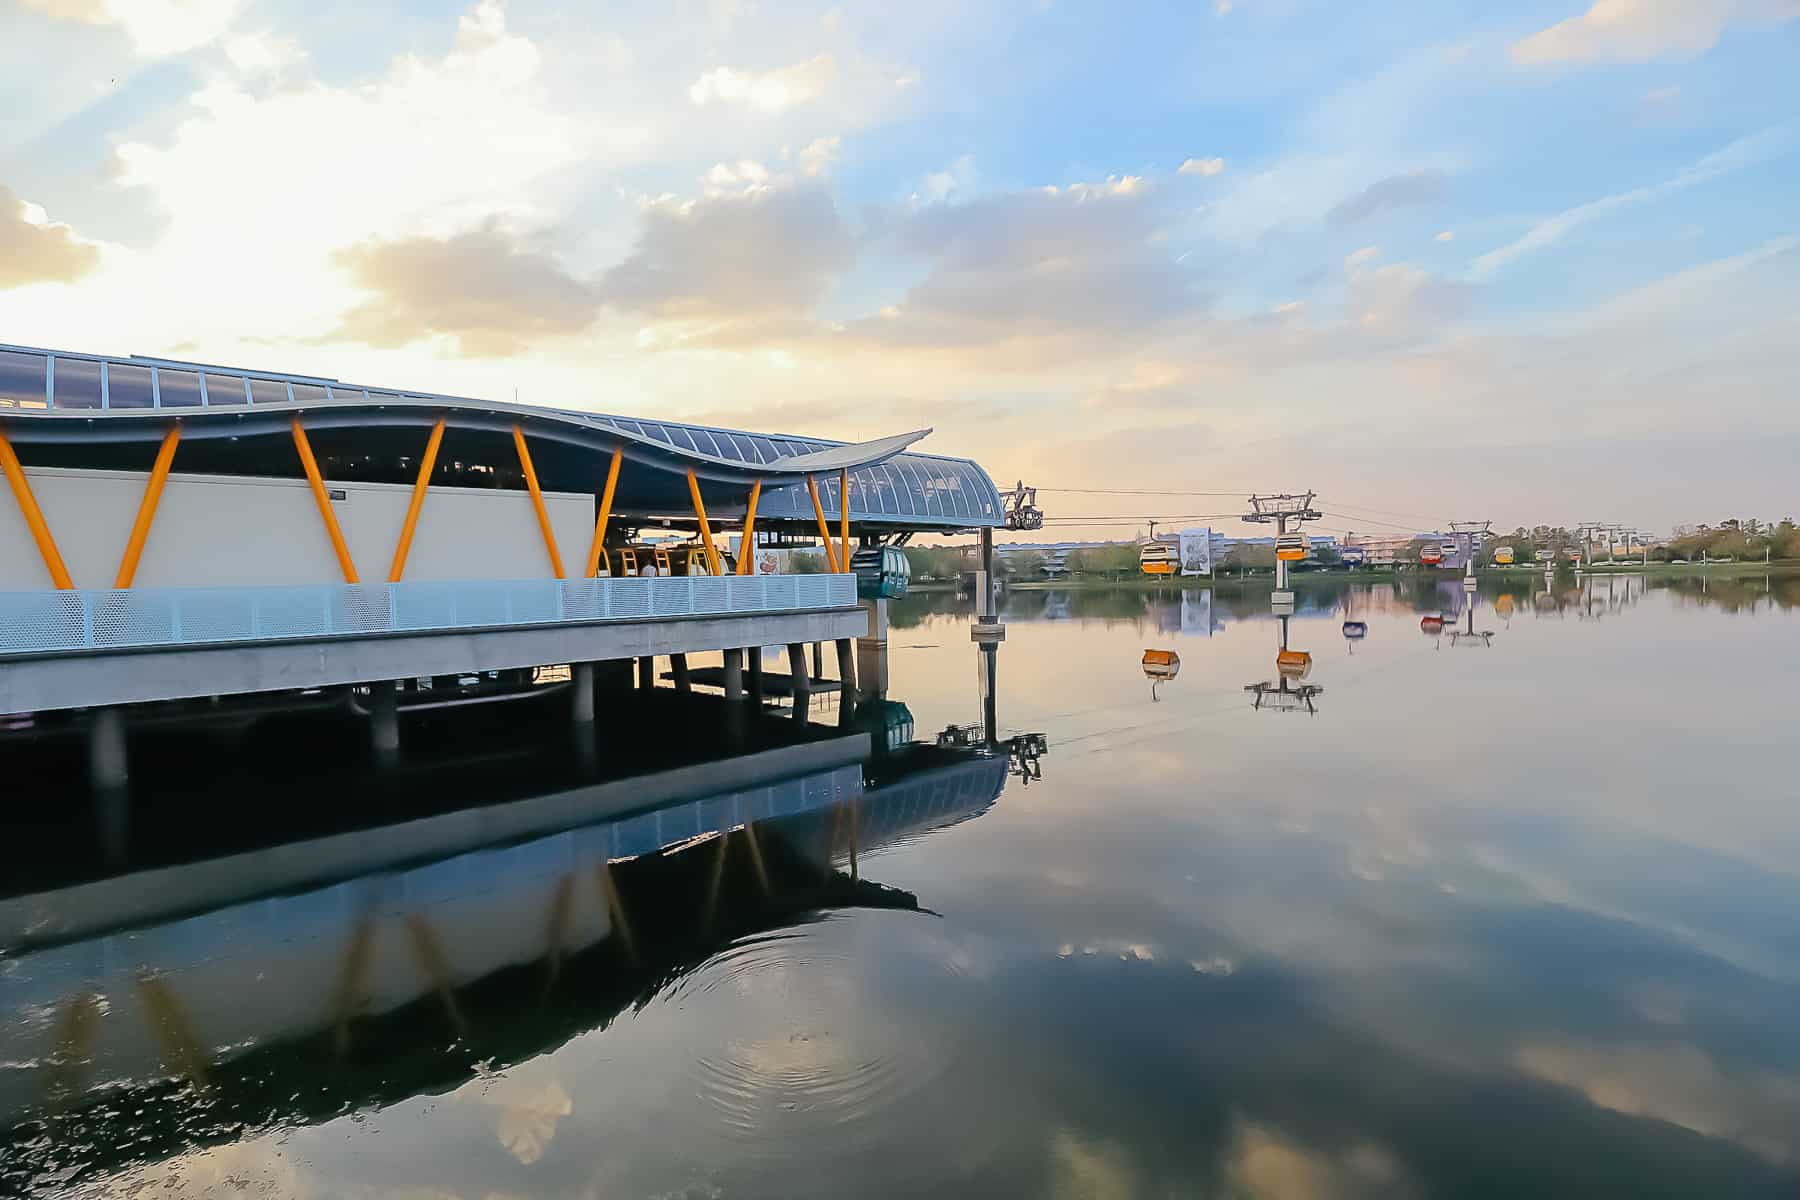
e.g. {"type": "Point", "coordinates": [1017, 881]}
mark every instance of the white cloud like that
{"type": "Point", "coordinates": [1744, 152]}
{"type": "Point", "coordinates": [155, 27]}
{"type": "Point", "coordinates": [277, 183]}
{"type": "Point", "coordinates": [820, 154]}
{"type": "Point", "coordinates": [33, 249]}
{"type": "Point", "coordinates": [262, 53]}
{"type": "Point", "coordinates": [1358, 257]}
{"type": "Point", "coordinates": [1445, 235]}
{"type": "Point", "coordinates": [1640, 30]}
{"type": "Point", "coordinates": [766, 91]}
{"type": "Point", "coordinates": [954, 181]}
{"type": "Point", "coordinates": [1222, 8]}
{"type": "Point", "coordinates": [741, 176]}
{"type": "Point", "coordinates": [1201, 166]}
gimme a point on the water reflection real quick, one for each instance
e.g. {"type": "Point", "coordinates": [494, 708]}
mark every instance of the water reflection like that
{"type": "Point", "coordinates": [137, 1042]}
{"type": "Point", "coordinates": [1504, 924]}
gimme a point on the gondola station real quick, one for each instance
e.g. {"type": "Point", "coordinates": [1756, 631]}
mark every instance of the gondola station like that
{"type": "Point", "coordinates": [175, 531]}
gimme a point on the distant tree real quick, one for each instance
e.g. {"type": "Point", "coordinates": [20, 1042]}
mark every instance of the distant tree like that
{"type": "Point", "coordinates": [1110, 562]}
{"type": "Point", "coordinates": [1731, 543]}
{"type": "Point", "coordinates": [1028, 564]}
{"type": "Point", "coordinates": [1326, 557]}
{"type": "Point", "coordinates": [1246, 557]}
{"type": "Point", "coordinates": [935, 563]}
{"type": "Point", "coordinates": [806, 562]}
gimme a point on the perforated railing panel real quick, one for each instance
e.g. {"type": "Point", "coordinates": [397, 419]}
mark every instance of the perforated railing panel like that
{"type": "Point", "coordinates": [48, 622]}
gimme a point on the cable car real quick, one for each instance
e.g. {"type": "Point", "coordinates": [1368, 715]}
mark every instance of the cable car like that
{"type": "Point", "coordinates": [1161, 664]}
{"type": "Point", "coordinates": [882, 572]}
{"type": "Point", "coordinates": [1158, 558]}
{"type": "Point", "coordinates": [1503, 606]}
{"type": "Point", "coordinates": [628, 561]}
{"type": "Point", "coordinates": [1503, 556]}
{"type": "Point", "coordinates": [1355, 631]}
{"type": "Point", "coordinates": [1431, 624]}
{"type": "Point", "coordinates": [1291, 547]}
{"type": "Point", "coordinates": [1431, 555]}
{"type": "Point", "coordinates": [1353, 556]}
{"type": "Point", "coordinates": [1293, 664]}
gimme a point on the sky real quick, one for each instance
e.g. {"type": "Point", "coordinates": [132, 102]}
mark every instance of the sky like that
{"type": "Point", "coordinates": [1533, 262]}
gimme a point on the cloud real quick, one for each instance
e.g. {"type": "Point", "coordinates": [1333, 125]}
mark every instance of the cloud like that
{"type": "Point", "coordinates": [35, 250]}
{"type": "Point", "coordinates": [155, 27]}
{"type": "Point", "coordinates": [1386, 195]}
{"type": "Point", "coordinates": [1445, 235]}
{"type": "Point", "coordinates": [1201, 166]}
{"type": "Point", "coordinates": [1744, 152]}
{"type": "Point", "coordinates": [1400, 298]}
{"type": "Point", "coordinates": [453, 141]}
{"type": "Point", "coordinates": [1641, 30]}
{"type": "Point", "coordinates": [819, 155]}
{"type": "Point", "coordinates": [1357, 258]}
{"type": "Point", "coordinates": [766, 91]}
{"type": "Point", "coordinates": [483, 288]}
{"type": "Point", "coordinates": [730, 261]}
{"type": "Point", "coordinates": [1054, 269]}
{"type": "Point", "coordinates": [957, 179]}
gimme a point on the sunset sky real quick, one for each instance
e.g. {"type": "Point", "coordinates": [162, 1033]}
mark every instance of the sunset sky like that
{"type": "Point", "coordinates": [1528, 262]}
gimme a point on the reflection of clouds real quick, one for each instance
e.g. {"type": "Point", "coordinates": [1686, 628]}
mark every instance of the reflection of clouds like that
{"type": "Point", "coordinates": [1260, 1163]}
{"type": "Point", "coordinates": [527, 1123]}
{"type": "Point", "coordinates": [256, 1168]}
{"type": "Point", "coordinates": [1678, 1084]}
{"type": "Point", "coordinates": [1086, 1170]}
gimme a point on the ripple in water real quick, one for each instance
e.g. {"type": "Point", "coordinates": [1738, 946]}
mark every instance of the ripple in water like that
{"type": "Point", "coordinates": [805, 1047]}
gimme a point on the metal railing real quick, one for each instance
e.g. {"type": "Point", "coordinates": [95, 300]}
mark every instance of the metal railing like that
{"type": "Point", "coordinates": [52, 621]}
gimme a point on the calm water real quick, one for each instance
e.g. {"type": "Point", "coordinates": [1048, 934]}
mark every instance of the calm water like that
{"type": "Point", "coordinates": [1482, 916]}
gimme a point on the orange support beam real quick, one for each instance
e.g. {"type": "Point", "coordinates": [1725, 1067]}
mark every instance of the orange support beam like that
{"type": "Point", "coordinates": [323, 499]}
{"type": "Point", "coordinates": [747, 544]}
{"type": "Point", "coordinates": [812, 488]}
{"type": "Point", "coordinates": [140, 530]}
{"type": "Point", "coordinates": [712, 554]}
{"type": "Point", "coordinates": [844, 520]}
{"type": "Point", "coordinates": [606, 499]}
{"type": "Point", "coordinates": [426, 465]}
{"type": "Point", "coordinates": [537, 500]}
{"type": "Point", "coordinates": [34, 516]}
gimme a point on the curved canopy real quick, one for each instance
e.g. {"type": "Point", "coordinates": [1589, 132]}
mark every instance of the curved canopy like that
{"type": "Point", "coordinates": [74, 406]}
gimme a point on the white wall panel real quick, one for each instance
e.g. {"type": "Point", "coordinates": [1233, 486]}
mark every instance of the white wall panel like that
{"type": "Point", "coordinates": [220, 531]}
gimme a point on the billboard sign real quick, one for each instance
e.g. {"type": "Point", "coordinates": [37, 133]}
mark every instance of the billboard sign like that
{"type": "Point", "coordinates": [1196, 552]}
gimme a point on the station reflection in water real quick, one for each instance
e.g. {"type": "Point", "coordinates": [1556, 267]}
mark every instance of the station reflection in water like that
{"type": "Point", "coordinates": [124, 1042]}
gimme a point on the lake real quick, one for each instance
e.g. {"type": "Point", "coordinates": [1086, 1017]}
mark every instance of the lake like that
{"type": "Point", "coordinates": [1491, 896]}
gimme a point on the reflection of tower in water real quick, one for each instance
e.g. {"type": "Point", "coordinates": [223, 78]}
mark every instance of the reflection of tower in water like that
{"type": "Point", "coordinates": [1288, 691]}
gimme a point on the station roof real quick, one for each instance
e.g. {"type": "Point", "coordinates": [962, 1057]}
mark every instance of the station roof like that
{"type": "Point", "coordinates": [70, 409]}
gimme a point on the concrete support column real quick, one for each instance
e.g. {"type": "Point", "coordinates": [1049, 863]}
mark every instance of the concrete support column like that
{"type": "Point", "coordinates": [108, 766]}
{"type": "Point", "coordinates": [846, 655]}
{"type": "Point", "coordinates": [990, 718]}
{"type": "Point", "coordinates": [872, 653]}
{"type": "Point", "coordinates": [734, 675]}
{"type": "Point", "coordinates": [581, 703]}
{"type": "Point", "coordinates": [802, 682]}
{"type": "Point", "coordinates": [109, 772]}
{"type": "Point", "coordinates": [646, 672]}
{"type": "Point", "coordinates": [756, 676]}
{"type": "Point", "coordinates": [984, 580]}
{"type": "Point", "coordinates": [384, 721]}
{"type": "Point", "coordinates": [818, 667]}
{"type": "Point", "coordinates": [679, 668]}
